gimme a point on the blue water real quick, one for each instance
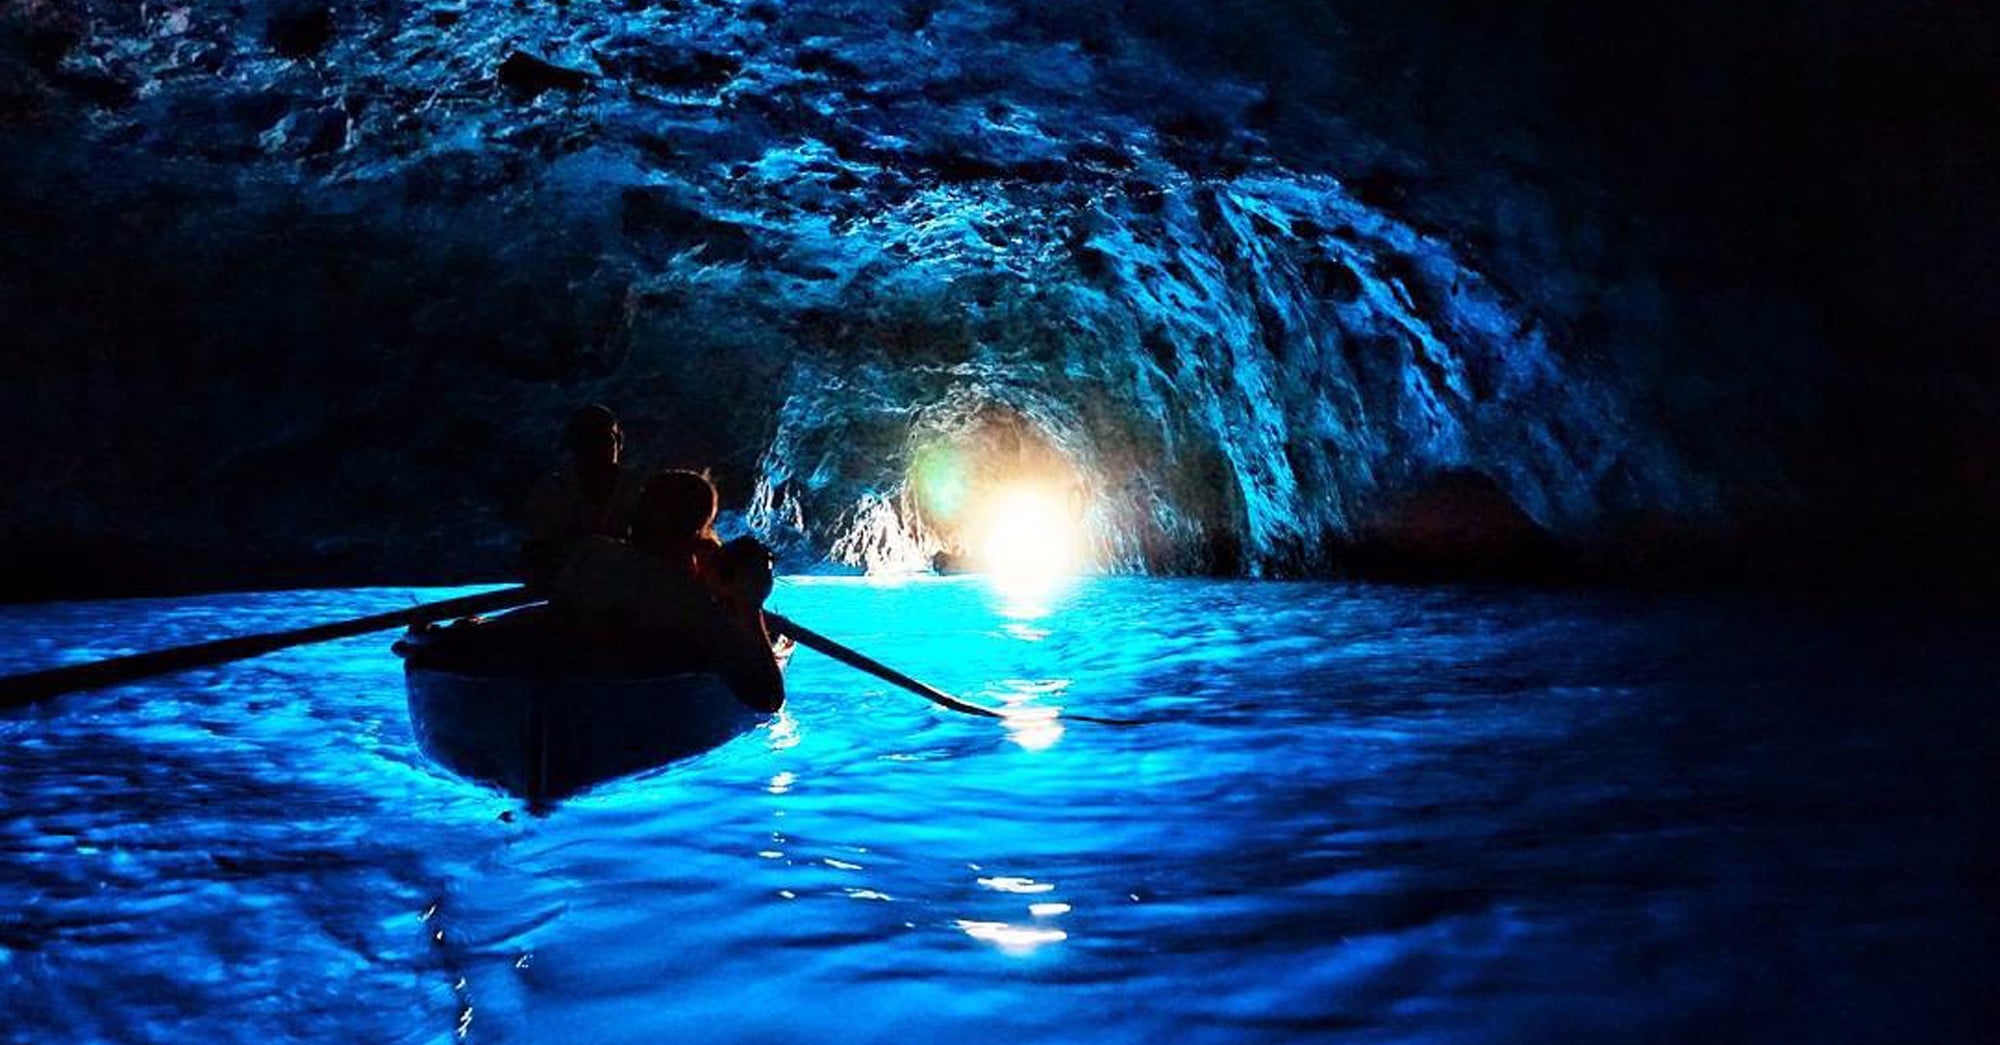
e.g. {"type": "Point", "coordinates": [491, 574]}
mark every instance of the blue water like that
{"type": "Point", "coordinates": [1366, 814]}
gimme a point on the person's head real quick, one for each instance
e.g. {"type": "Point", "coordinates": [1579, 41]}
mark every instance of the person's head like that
{"type": "Point", "coordinates": [593, 436]}
{"type": "Point", "coordinates": [674, 507]}
{"type": "Point", "coordinates": [745, 554]}
{"type": "Point", "coordinates": [743, 568]}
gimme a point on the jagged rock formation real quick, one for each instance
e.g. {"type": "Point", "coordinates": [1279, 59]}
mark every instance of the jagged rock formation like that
{"type": "Point", "coordinates": [299, 290]}
{"type": "Point", "coordinates": [1242, 374]}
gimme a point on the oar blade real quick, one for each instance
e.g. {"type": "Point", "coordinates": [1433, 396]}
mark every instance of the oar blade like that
{"type": "Point", "coordinates": [856, 659]}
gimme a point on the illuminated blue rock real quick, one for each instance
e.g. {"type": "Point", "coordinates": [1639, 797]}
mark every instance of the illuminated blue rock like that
{"type": "Point", "coordinates": [381, 249]}
{"type": "Point", "coordinates": [1242, 372]}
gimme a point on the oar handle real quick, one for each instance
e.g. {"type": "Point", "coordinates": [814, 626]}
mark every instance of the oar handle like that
{"type": "Point", "coordinates": [22, 690]}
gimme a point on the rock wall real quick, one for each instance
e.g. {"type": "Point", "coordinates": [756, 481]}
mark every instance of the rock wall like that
{"type": "Point", "coordinates": [1246, 374]}
{"type": "Point", "coordinates": [298, 291]}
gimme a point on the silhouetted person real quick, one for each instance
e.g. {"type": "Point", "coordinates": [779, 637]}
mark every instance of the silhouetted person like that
{"type": "Point", "coordinates": [589, 497]}
{"type": "Point", "coordinates": [738, 575]}
{"type": "Point", "coordinates": [676, 519]}
{"type": "Point", "coordinates": [675, 590]}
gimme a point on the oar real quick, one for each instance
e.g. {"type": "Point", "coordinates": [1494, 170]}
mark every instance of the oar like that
{"type": "Point", "coordinates": [853, 658]}
{"type": "Point", "coordinates": [21, 690]}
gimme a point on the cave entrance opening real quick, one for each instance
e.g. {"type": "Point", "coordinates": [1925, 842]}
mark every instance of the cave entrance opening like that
{"type": "Point", "coordinates": [995, 493]}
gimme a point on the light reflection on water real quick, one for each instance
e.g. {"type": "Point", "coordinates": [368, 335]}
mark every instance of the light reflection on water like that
{"type": "Point", "coordinates": [1396, 814]}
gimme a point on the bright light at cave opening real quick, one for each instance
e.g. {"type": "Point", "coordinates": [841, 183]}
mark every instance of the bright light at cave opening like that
{"type": "Point", "coordinates": [1027, 534]}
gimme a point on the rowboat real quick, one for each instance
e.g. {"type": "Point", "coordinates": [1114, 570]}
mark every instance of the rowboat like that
{"type": "Point", "coordinates": [504, 701]}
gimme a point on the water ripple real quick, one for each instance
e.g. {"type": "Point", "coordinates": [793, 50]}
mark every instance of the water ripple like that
{"type": "Point", "coordinates": [1378, 812]}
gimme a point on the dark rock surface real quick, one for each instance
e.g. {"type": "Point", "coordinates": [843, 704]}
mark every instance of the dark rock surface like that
{"type": "Point", "coordinates": [301, 292]}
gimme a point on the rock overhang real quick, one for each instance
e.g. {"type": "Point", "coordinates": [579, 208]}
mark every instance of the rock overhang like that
{"type": "Point", "coordinates": [730, 209]}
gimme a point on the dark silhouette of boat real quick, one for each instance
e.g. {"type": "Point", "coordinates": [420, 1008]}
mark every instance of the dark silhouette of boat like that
{"type": "Point", "coordinates": [504, 702]}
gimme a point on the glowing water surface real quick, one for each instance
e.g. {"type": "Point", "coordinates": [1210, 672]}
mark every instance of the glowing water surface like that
{"type": "Point", "coordinates": [1367, 813]}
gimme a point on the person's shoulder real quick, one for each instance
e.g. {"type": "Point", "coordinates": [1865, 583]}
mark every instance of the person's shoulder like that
{"type": "Point", "coordinates": [549, 498]}
{"type": "Point", "coordinates": [609, 549]}
{"type": "Point", "coordinates": [600, 564]}
{"type": "Point", "coordinates": [631, 484]}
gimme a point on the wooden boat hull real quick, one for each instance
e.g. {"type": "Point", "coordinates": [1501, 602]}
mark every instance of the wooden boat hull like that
{"type": "Point", "coordinates": [551, 737]}
{"type": "Point", "coordinates": [534, 724]}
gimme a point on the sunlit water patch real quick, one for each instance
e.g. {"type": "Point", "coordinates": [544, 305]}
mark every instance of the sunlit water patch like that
{"type": "Point", "coordinates": [1384, 814]}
